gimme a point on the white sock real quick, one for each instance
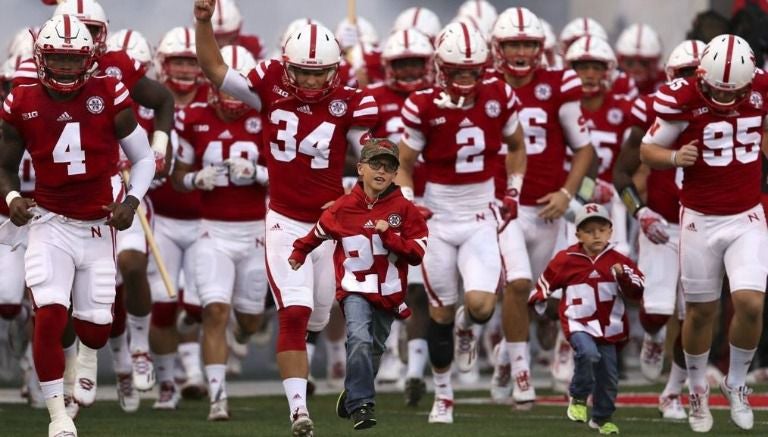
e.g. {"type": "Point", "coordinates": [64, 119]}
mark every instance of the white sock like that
{"type": "Point", "coordinates": [697, 371]}
{"type": "Point", "coordinates": [190, 358]}
{"type": "Point", "coordinates": [418, 354]}
{"type": "Point", "coordinates": [70, 368]}
{"type": "Point", "coordinates": [54, 398]}
{"type": "Point", "coordinates": [518, 356]}
{"type": "Point", "coordinates": [675, 381]}
{"type": "Point", "coordinates": [337, 351]}
{"type": "Point", "coordinates": [164, 366]}
{"type": "Point", "coordinates": [740, 360]}
{"type": "Point", "coordinates": [443, 387]}
{"type": "Point", "coordinates": [121, 358]}
{"type": "Point", "coordinates": [296, 393]}
{"type": "Point", "coordinates": [138, 329]}
{"type": "Point", "coordinates": [52, 388]}
{"type": "Point", "coordinates": [217, 383]}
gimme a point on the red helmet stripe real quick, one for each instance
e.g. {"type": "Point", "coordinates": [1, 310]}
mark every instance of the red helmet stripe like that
{"type": "Point", "coordinates": [127, 39]}
{"type": "Point", "coordinates": [728, 56]}
{"type": "Point", "coordinates": [695, 49]}
{"type": "Point", "coordinates": [219, 13]}
{"type": "Point", "coordinates": [639, 36]}
{"type": "Point", "coordinates": [67, 29]}
{"type": "Point", "coordinates": [586, 46]}
{"type": "Point", "coordinates": [312, 40]}
{"type": "Point", "coordinates": [79, 7]}
{"type": "Point", "coordinates": [187, 37]}
{"type": "Point", "coordinates": [520, 19]}
{"type": "Point", "coordinates": [586, 25]}
{"type": "Point", "coordinates": [468, 50]}
{"type": "Point", "coordinates": [405, 39]}
{"type": "Point", "coordinates": [234, 57]}
{"type": "Point", "coordinates": [416, 17]}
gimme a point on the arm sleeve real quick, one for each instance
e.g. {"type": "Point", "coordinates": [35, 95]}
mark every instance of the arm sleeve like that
{"type": "Point", "coordinates": [664, 133]}
{"type": "Point", "coordinates": [572, 121]}
{"type": "Point", "coordinates": [136, 148]}
{"type": "Point", "coordinates": [237, 86]}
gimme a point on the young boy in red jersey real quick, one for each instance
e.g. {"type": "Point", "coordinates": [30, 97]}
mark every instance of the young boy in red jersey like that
{"type": "Point", "coordinates": [594, 279]}
{"type": "Point", "coordinates": [378, 233]}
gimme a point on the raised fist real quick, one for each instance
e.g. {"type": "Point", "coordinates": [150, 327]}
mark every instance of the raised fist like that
{"type": "Point", "coordinates": [204, 9]}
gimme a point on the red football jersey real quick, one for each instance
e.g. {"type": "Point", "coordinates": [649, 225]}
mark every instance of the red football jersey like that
{"type": "Point", "coordinates": [725, 179]}
{"type": "Point", "coordinates": [590, 301]}
{"type": "Point", "coordinates": [461, 146]}
{"type": "Point", "coordinates": [305, 143]}
{"type": "Point", "coordinates": [73, 144]}
{"type": "Point", "coordinates": [252, 43]}
{"type": "Point", "coordinates": [366, 261]}
{"type": "Point", "coordinates": [545, 137]}
{"type": "Point", "coordinates": [208, 140]}
{"type": "Point", "coordinates": [608, 126]}
{"type": "Point", "coordinates": [623, 85]}
{"type": "Point", "coordinates": [663, 186]}
{"type": "Point", "coordinates": [116, 64]}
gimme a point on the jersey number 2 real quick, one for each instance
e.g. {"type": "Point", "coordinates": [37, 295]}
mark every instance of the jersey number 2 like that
{"type": "Point", "coordinates": [68, 150]}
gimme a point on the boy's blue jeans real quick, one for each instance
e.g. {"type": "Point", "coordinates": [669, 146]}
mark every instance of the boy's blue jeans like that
{"type": "Point", "coordinates": [595, 372]}
{"type": "Point", "coordinates": [367, 330]}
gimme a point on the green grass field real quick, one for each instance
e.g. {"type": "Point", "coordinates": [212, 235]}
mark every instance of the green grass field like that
{"type": "Point", "coordinates": [268, 416]}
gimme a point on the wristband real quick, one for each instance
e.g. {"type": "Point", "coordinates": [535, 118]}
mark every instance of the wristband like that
{"type": "Point", "coordinates": [160, 142]}
{"type": "Point", "coordinates": [631, 199]}
{"type": "Point", "coordinates": [673, 158]}
{"type": "Point", "coordinates": [189, 180]}
{"type": "Point", "coordinates": [10, 196]}
{"type": "Point", "coordinates": [514, 184]}
{"type": "Point", "coordinates": [407, 193]}
{"type": "Point", "coordinates": [567, 194]}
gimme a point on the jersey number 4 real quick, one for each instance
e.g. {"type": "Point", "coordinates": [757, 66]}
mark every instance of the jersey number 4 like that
{"type": "Point", "coordinates": [316, 144]}
{"type": "Point", "coordinates": [69, 150]}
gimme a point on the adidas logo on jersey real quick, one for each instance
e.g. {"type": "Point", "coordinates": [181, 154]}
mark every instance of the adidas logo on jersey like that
{"type": "Point", "coordinates": [465, 122]}
{"type": "Point", "coordinates": [594, 274]}
{"type": "Point", "coordinates": [276, 227]}
{"type": "Point", "coordinates": [369, 225]}
{"type": "Point", "coordinates": [305, 109]}
{"type": "Point", "coordinates": [691, 227]}
{"type": "Point", "coordinates": [64, 117]}
{"type": "Point", "coordinates": [226, 135]}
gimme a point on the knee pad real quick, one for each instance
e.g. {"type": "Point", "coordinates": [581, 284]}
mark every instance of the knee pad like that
{"type": "Point", "coordinates": [652, 323]}
{"type": "Point", "coordinates": [164, 314]}
{"type": "Point", "coordinates": [293, 322]}
{"type": "Point", "coordinates": [50, 323]}
{"type": "Point", "coordinates": [9, 311]}
{"type": "Point", "coordinates": [440, 344]}
{"type": "Point", "coordinates": [90, 334]}
{"type": "Point", "coordinates": [194, 312]}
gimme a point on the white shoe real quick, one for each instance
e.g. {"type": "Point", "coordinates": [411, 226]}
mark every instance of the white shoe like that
{"type": "Point", "coordinates": [194, 387]}
{"type": "Point", "coordinates": [301, 424]}
{"type": "Point", "coordinates": [143, 371]}
{"type": "Point", "coordinates": [442, 411]}
{"type": "Point", "coordinates": [85, 381]}
{"type": "Point", "coordinates": [741, 411]}
{"type": "Point", "coordinates": [62, 427]}
{"type": "Point", "coordinates": [470, 378]}
{"type": "Point", "coordinates": [126, 395]}
{"type": "Point", "coordinates": [562, 363]}
{"type": "Point", "coordinates": [651, 358]}
{"type": "Point", "coordinates": [700, 418]}
{"type": "Point", "coordinates": [671, 408]}
{"type": "Point", "coordinates": [168, 398]}
{"type": "Point", "coordinates": [523, 392]}
{"type": "Point", "coordinates": [71, 406]}
{"type": "Point", "coordinates": [465, 346]}
{"type": "Point", "coordinates": [501, 387]}
{"type": "Point", "coordinates": [219, 411]}
{"type": "Point", "coordinates": [390, 369]}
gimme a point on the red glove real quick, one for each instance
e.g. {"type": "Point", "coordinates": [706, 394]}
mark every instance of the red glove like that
{"type": "Point", "coordinates": [603, 192]}
{"type": "Point", "coordinates": [425, 212]}
{"type": "Point", "coordinates": [653, 225]}
{"type": "Point", "coordinates": [508, 209]}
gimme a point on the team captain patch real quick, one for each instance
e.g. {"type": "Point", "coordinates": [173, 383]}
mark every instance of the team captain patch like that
{"type": "Point", "coordinates": [337, 108]}
{"type": "Point", "coordinates": [94, 104]}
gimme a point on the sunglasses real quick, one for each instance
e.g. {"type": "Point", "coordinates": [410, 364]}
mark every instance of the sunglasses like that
{"type": "Point", "coordinates": [375, 164]}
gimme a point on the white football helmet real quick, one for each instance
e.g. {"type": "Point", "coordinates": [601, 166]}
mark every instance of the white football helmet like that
{"type": "Point", "coordinates": [580, 27]}
{"type": "Point", "coordinates": [592, 48]}
{"type": "Point", "coordinates": [482, 12]}
{"type": "Point", "coordinates": [460, 47]}
{"type": "Point", "coordinates": [23, 43]}
{"type": "Point", "coordinates": [133, 43]}
{"type": "Point", "coordinates": [638, 41]}
{"type": "Point", "coordinates": [727, 64]}
{"type": "Point", "coordinates": [312, 47]}
{"type": "Point", "coordinates": [91, 14]}
{"type": "Point", "coordinates": [365, 33]}
{"type": "Point", "coordinates": [551, 58]}
{"type": "Point", "coordinates": [293, 26]}
{"type": "Point", "coordinates": [421, 19]}
{"type": "Point", "coordinates": [179, 42]}
{"type": "Point", "coordinates": [685, 55]}
{"type": "Point", "coordinates": [227, 20]}
{"type": "Point", "coordinates": [407, 44]}
{"type": "Point", "coordinates": [241, 60]}
{"type": "Point", "coordinates": [517, 24]}
{"type": "Point", "coordinates": [64, 35]}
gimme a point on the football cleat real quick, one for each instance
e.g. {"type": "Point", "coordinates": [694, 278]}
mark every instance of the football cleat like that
{"type": "Point", "coordinates": [219, 411]}
{"type": "Point", "coordinates": [523, 392]}
{"type": "Point", "coordinates": [126, 395]}
{"type": "Point", "coordinates": [301, 424]}
{"type": "Point", "coordinates": [651, 358]}
{"type": "Point", "coordinates": [741, 411]}
{"type": "Point", "coordinates": [442, 411]}
{"type": "Point", "coordinates": [501, 385]}
{"type": "Point", "coordinates": [85, 382]}
{"type": "Point", "coordinates": [671, 408]}
{"type": "Point", "coordinates": [143, 371]}
{"type": "Point", "coordinates": [700, 418]}
{"type": "Point", "coordinates": [62, 427]}
{"type": "Point", "coordinates": [168, 398]}
{"type": "Point", "coordinates": [415, 388]}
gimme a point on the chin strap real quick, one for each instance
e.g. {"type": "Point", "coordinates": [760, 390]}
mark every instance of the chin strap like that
{"type": "Point", "coordinates": [444, 101]}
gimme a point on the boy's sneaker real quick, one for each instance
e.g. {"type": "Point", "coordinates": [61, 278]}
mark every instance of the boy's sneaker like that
{"type": "Point", "coordinates": [363, 417]}
{"type": "Point", "coordinates": [700, 418]}
{"type": "Point", "coordinates": [341, 410]}
{"type": "Point", "coordinates": [741, 411]}
{"type": "Point", "coordinates": [605, 429]}
{"type": "Point", "coordinates": [577, 410]}
{"type": "Point", "coordinates": [415, 388]}
{"type": "Point", "coordinates": [670, 408]}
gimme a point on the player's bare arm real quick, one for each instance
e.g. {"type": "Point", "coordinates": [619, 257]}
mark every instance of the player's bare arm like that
{"type": "Point", "coordinates": [180, 171]}
{"type": "Point", "coordinates": [658, 157]}
{"type": "Point", "coordinates": [517, 159]}
{"type": "Point", "coordinates": [628, 160]}
{"type": "Point", "coordinates": [408, 159]}
{"type": "Point", "coordinates": [11, 152]}
{"type": "Point", "coordinates": [151, 94]}
{"type": "Point", "coordinates": [208, 54]}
